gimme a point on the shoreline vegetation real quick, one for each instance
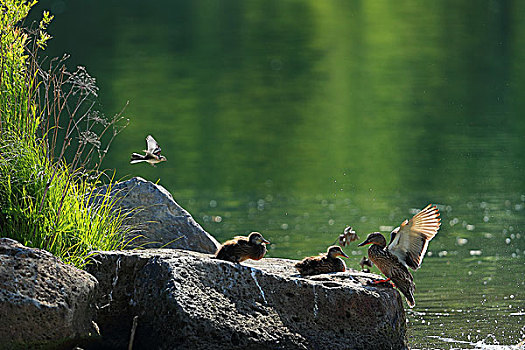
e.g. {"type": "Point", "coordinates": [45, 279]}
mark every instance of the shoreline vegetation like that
{"type": "Point", "coordinates": [52, 143]}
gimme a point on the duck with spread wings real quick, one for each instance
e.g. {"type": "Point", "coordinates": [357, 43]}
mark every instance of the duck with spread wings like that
{"type": "Point", "coordinates": [407, 247]}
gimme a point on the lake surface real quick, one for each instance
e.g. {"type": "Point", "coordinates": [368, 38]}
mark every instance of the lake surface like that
{"type": "Point", "coordinates": [297, 118]}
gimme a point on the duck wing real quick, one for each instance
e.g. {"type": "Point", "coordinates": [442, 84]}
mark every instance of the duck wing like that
{"type": "Point", "coordinates": [232, 250]}
{"type": "Point", "coordinates": [409, 242]}
{"type": "Point", "coordinates": [310, 265]}
{"type": "Point", "coordinates": [153, 146]}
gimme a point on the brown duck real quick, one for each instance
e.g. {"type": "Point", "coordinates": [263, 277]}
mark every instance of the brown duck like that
{"type": "Point", "coordinates": [323, 263]}
{"type": "Point", "coordinates": [407, 247]}
{"type": "Point", "coordinates": [242, 248]}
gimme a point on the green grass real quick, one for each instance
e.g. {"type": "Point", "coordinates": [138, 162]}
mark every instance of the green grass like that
{"type": "Point", "coordinates": [49, 135]}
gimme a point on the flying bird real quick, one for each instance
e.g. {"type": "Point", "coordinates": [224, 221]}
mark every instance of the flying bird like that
{"type": "Point", "coordinates": [347, 236]}
{"type": "Point", "coordinates": [152, 154]}
{"type": "Point", "coordinates": [407, 247]}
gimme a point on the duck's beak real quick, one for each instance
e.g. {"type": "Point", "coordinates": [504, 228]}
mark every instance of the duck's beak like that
{"type": "Point", "coordinates": [343, 254]}
{"type": "Point", "coordinates": [364, 243]}
{"type": "Point", "coordinates": [265, 241]}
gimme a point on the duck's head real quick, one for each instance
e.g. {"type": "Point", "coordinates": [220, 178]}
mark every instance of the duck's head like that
{"type": "Point", "coordinates": [257, 238]}
{"type": "Point", "coordinates": [374, 238]}
{"type": "Point", "coordinates": [335, 251]}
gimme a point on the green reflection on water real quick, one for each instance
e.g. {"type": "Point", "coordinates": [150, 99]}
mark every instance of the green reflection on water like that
{"type": "Point", "coordinates": [296, 118]}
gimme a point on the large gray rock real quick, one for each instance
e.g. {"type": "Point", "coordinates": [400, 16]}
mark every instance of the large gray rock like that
{"type": "Point", "coordinates": [189, 300]}
{"type": "Point", "coordinates": [44, 303]}
{"type": "Point", "coordinates": [160, 221]}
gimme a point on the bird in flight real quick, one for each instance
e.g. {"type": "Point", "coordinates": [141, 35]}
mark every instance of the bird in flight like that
{"type": "Point", "coordinates": [152, 154]}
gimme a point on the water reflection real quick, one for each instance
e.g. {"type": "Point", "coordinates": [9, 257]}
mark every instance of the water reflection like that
{"type": "Point", "coordinates": [298, 118]}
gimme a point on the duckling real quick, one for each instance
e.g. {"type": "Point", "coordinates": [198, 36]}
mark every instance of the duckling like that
{"type": "Point", "coordinates": [407, 247]}
{"type": "Point", "coordinates": [323, 263]}
{"type": "Point", "coordinates": [242, 248]}
{"type": "Point", "coordinates": [347, 236]}
{"type": "Point", "coordinates": [365, 262]}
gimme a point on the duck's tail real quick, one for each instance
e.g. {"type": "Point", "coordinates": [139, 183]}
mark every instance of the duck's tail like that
{"type": "Point", "coordinates": [410, 299]}
{"type": "Point", "coordinates": [408, 290]}
{"type": "Point", "coordinates": [406, 286]}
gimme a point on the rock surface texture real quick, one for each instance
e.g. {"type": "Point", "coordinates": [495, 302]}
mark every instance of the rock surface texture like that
{"type": "Point", "coordinates": [161, 221]}
{"type": "Point", "coordinates": [44, 303]}
{"type": "Point", "coordinates": [189, 300]}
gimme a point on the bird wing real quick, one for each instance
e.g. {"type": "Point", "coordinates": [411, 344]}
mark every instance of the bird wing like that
{"type": "Point", "coordinates": [153, 146]}
{"type": "Point", "coordinates": [409, 242]}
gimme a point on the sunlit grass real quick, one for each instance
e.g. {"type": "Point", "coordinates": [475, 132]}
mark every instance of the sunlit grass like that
{"type": "Point", "coordinates": [49, 133]}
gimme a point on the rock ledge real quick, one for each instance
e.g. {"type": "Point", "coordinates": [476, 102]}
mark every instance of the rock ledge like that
{"type": "Point", "coordinates": [189, 300]}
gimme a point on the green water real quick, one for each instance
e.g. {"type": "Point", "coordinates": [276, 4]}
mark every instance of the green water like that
{"type": "Point", "coordinates": [296, 118]}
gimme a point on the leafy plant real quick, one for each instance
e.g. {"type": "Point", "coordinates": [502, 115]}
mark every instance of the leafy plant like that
{"type": "Point", "coordinates": [52, 143]}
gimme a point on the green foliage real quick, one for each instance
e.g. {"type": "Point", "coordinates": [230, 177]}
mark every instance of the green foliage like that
{"type": "Point", "coordinates": [45, 199]}
{"type": "Point", "coordinates": [43, 35]}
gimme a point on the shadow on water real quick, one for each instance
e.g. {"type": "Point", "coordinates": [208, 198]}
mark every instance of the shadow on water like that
{"type": "Point", "coordinates": [297, 118]}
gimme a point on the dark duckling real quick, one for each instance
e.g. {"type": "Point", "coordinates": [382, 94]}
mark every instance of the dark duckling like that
{"type": "Point", "coordinates": [242, 248]}
{"type": "Point", "coordinates": [323, 263]}
{"type": "Point", "coordinates": [407, 247]}
{"type": "Point", "coordinates": [365, 262]}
